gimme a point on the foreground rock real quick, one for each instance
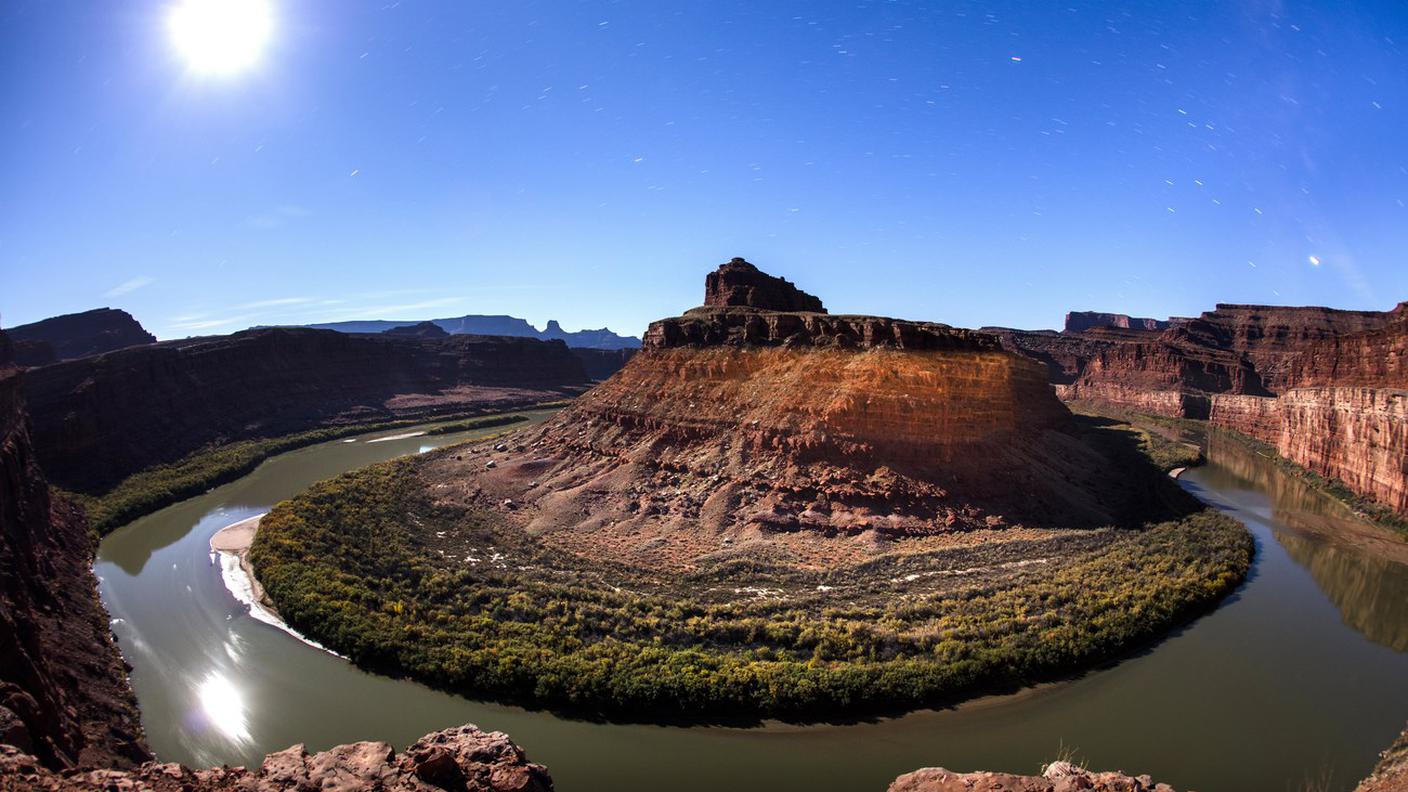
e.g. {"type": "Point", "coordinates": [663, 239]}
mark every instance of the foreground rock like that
{"type": "Point", "coordinates": [1058, 777]}
{"type": "Point", "coordinates": [76, 335]}
{"type": "Point", "coordinates": [100, 419]}
{"type": "Point", "coordinates": [63, 687]}
{"type": "Point", "coordinates": [1391, 773]}
{"type": "Point", "coordinates": [464, 759]}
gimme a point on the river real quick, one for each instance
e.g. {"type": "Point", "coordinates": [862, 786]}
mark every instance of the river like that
{"type": "Point", "coordinates": [1295, 682]}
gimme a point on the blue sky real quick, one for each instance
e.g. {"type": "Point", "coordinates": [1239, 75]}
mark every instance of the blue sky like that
{"type": "Point", "coordinates": [971, 163]}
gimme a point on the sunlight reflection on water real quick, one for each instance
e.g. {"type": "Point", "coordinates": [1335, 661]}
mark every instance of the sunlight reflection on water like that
{"type": "Point", "coordinates": [223, 705]}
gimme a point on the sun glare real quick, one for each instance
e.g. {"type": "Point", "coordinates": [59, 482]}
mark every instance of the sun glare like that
{"type": "Point", "coordinates": [220, 37]}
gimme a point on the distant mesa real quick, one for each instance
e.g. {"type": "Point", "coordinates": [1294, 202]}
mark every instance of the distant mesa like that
{"type": "Point", "coordinates": [422, 330]}
{"type": "Point", "coordinates": [1079, 321]}
{"type": "Point", "coordinates": [495, 325]}
{"type": "Point", "coordinates": [76, 335]}
{"type": "Point", "coordinates": [739, 283]}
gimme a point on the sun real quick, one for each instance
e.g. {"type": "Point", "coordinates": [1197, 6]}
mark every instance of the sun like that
{"type": "Point", "coordinates": [220, 37]}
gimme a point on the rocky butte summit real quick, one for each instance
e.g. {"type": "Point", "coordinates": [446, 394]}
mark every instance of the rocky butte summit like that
{"type": "Point", "coordinates": [766, 414]}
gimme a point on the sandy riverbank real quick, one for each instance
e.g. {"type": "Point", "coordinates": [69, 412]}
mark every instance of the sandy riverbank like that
{"type": "Point", "coordinates": [230, 548]}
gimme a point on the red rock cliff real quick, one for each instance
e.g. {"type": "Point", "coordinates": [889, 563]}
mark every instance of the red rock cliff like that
{"type": "Point", "coordinates": [1323, 386]}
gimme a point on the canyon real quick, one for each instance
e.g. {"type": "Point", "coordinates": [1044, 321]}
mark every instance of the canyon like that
{"type": "Point", "coordinates": [848, 507]}
{"type": "Point", "coordinates": [68, 719]}
{"type": "Point", "coordinates": [1324, 387]}
{"type": "Point", "coordinates": [99, 419]}
{"type": "Point", "coordinates": [834, 441]}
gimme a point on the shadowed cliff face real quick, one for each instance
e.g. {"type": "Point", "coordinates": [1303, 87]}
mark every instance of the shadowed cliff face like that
{"type": "Point", "coordinates": [100, 419]}
{"type": "Point", "coordinates": [63, 686]}
{"type": "Point", "coordinates": [77, 335]}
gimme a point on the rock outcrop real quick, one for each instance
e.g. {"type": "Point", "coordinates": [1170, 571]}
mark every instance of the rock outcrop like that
{"type": "Point", "coordinates": [77, 335]}
{"type": "Point", "coordinates": [463, 759]}
{"type": "Point", "coordinates": [63, 686]}
{"type": "Point", "coordinates": [741, 284]}
{"type": "Point", "coordinates": [1057, 777]}
{"type": "Point", "coordinates": [1080, 321]}
{"type": "Point", "coordinates": [99, 419]}
{"type": "Point", "coordinates": [422, 330]}
{"type": "Point", "coordinates": [1391, 773]}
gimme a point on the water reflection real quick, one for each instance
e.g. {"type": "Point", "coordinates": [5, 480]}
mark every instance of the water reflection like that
{"type": "Point", "coordinates": [1212, 707]}
{"type": "Point", "coordinates": [222, 703]}
{"type": "Point", "coordinates": [1361, 568]}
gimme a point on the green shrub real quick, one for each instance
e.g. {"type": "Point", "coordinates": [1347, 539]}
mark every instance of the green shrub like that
{"type": "Point", "coordinates": [353, 563]}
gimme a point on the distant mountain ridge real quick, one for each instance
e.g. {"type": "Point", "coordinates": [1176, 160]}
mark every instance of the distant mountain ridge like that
{"type": "Point", "coordinates": [497, 324]}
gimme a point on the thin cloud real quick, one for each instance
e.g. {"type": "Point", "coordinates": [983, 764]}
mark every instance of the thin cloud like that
{"type": "Point", "coordinates": [277, 302]}
{"type": "Point", "coordinates": [129, 286]}
{"type": "Point", "coordinates": [278, 217]}
{"type": "Point", "coordinates": [382, 311]}
{"type": "Point", "coordinates": [210, 324]}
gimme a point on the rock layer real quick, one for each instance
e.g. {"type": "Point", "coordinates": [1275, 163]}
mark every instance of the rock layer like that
{"type": "Point", "coordinates": [63, 686]}
{"type": "Point", "coordinates": [463, 759]}
{"type": "Point", "coordinates": [100, 419]}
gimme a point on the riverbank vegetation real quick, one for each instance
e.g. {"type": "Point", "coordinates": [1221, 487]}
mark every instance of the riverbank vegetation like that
{"type": "Point", "coordinates": [1169, 443]}
{"type": "Point", "coordinates": [372, 566]}
{"type": "Point", "coordinates": [157, 487]}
